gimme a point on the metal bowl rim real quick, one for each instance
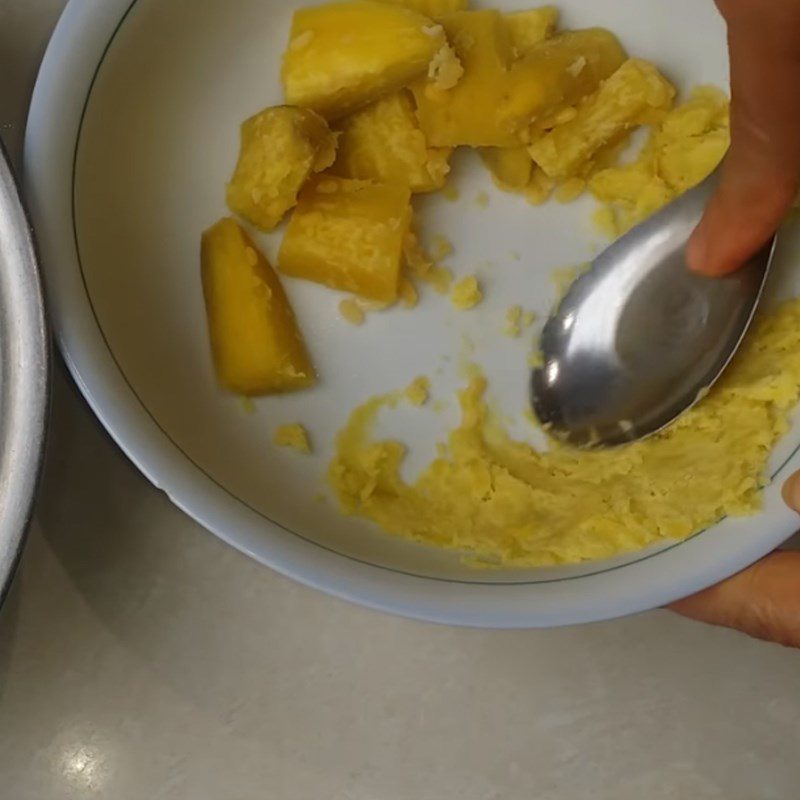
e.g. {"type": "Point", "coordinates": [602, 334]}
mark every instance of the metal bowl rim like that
{"type": "Point", "coordinates": [25, 370]}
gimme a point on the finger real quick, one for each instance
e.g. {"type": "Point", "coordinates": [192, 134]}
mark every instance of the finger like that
{"type": "Point", "coordinates": [791, 492]}
{"type": "Point", "coordinates": [763, 601]}
{"type": "Point", "coordinates": [761, 174]}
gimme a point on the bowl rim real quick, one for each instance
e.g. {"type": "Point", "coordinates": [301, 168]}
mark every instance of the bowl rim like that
{"type": "Point", "coordinates": [25, 384]}
{"type": "Point", "coordinates": [83, 35]}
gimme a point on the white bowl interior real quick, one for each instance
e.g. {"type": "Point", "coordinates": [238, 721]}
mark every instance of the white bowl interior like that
{"type": "Point", "coordinates": [158, 142]}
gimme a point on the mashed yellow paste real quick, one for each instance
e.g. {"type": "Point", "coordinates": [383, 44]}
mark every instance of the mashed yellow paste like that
{"type": "Point", "coordinates": [505, 503]}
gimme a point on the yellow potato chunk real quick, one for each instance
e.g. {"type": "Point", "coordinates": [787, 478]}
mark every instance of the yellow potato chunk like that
{"type": "Point", "coordinates": [540, 187]}
{"type": "Point", "coordinates": [556, 74]}
{"type": "Point", "coordinates": [511, 167]}
{"type": "Point", "coordinates": [532, 27]}
{"type": "Point", "coordinates": [694, 138]}
{"type": "Point", "coordinates": [415, 259]}
{"type": "Point", "coordinates": [280, 148]}
{"type": "Point", "coordinates": [465, 114]}
{"type": "Point", "coordinates": [342, 56]}
{"type": "Point", "coordinates": [629, 96]}
{"type": "Point", "coordinates": [348, 235]}
{"type": "Point", "coordinates": [570, 190]}
{"type": "Point", "coordinates": [383, 142]}
{"type": "Point", "coordinates": [255, 341]}
{"type": "Point", "coordinates": [683, 150]}
{"type": "Point", "coordinates": [432, 8]}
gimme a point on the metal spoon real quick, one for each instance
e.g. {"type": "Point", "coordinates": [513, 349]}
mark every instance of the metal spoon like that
{"type": "Point", "coordinates": [639, 339]}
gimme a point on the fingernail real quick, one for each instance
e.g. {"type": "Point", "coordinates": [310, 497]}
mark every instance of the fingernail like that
{"type": "Point", "coordinates": [697, 253]}
{"type": "Point", "coordinates": [791, 492]}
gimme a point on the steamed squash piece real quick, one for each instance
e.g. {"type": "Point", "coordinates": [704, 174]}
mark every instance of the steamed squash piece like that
{"type": "Point", "coordinates": [342, 56]}
{"type": "Point", "coordinates": [255, 341]}
{"type": "Point", "coordinates": [631, 96]}
{"type": "Point", "coordinates": [466, 113]}
{"type": "Point", "coordinates": [432, 8]}
{"type": "Point", "coordinates": [557, 74]}
{"type": "Point", "coordinates": [383, 142]}
{"type": "Point", "coordinates": [683, 149]}
{"type": "Point", "coordinates": [540, 187]}
{"type": "Point", "coordinates": [280, 148]}
{"type": "Point", "coordinates": [348, 235]}
{"type": "Point", "coordinates": [531, 27]}
{"type": "Point", "coordinates": [511, 167]}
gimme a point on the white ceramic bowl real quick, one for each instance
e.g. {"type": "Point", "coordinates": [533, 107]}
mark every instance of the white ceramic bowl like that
{"type": "Point", "coordinates": [132, 136]}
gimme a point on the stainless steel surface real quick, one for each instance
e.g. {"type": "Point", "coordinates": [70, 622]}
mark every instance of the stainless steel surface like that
{"type": "Point", "coordinates": [638, 339]}
{"type": "Point", "coordinates": [24, 372]}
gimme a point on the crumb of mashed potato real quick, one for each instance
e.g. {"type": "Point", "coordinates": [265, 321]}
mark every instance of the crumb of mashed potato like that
{"type": "Point", "coordinates": [482, 200]}
{"type": "Point", "coordinates": [416, 259]}
{"type": "Point", "coordinates": [352, 312]}
{"type": "Point", "coordinates": [445, 69]}
{"type": "Point", "coordinates": [516, 320]}
{"type": "Point", "coordinates": [426, 266]}
{"type": "Point", "coordinates": [502, 502]}
{"type": "Point", "coordinates": [466, 293]}
{"type": "Point", "coordinates": [563, 278]}
{"type": "Point", "coordinates": [293, 436]}
{"type": "Point", "coordinates": [418, 393]}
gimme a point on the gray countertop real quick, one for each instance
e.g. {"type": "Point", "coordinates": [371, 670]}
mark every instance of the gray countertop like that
{"type": "Point", "coordinates": [140, 658]}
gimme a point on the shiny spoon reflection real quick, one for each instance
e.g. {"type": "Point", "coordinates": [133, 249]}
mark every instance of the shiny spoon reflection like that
{"type": "Point", "coordinates": [639, 339]}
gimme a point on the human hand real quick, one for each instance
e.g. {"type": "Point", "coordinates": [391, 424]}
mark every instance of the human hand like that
{"type": "Point", "coordinates": [760, 180]}
{"type": "Point", "coordinates": [763, 601]}
{"type": "Point", "coordinates": [761, 174]}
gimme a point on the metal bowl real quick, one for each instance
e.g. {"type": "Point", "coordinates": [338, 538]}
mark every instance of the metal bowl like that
{"type": "Point", "coordinates": [24, 373]}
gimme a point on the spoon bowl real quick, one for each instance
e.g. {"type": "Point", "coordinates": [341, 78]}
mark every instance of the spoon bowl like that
{"type": "Point", "coordinates": [639, 338]}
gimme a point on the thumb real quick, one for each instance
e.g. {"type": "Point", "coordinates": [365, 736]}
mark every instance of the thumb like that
{"type": "Point", "coordinates": [761, 174]}
{"type": "Point", "coordinates": [763, 601]}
